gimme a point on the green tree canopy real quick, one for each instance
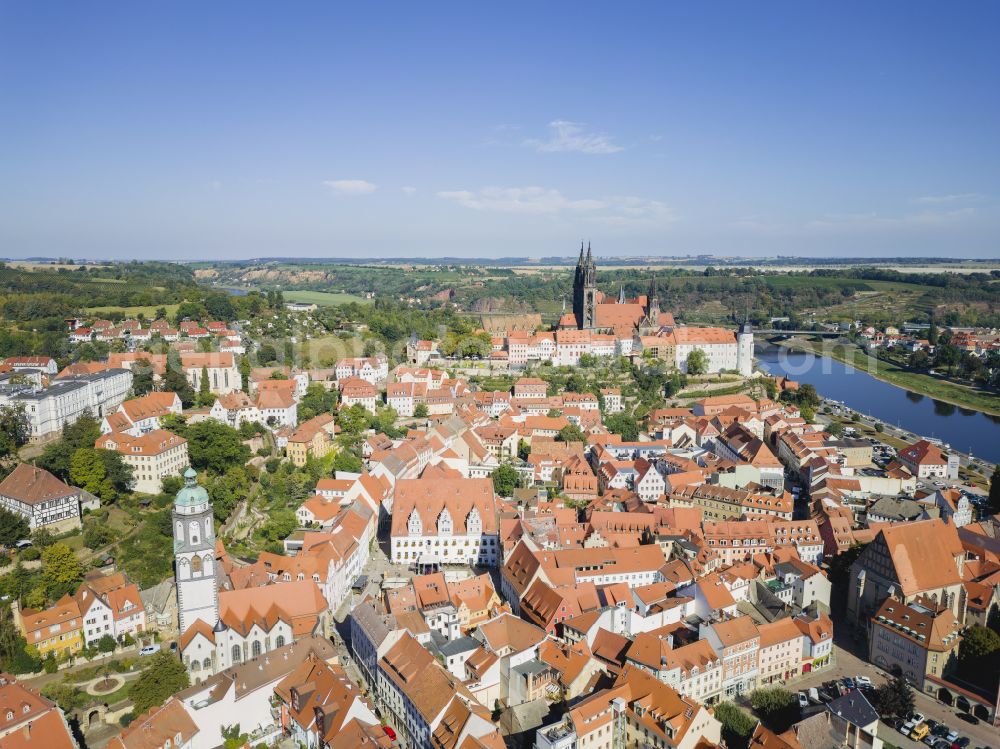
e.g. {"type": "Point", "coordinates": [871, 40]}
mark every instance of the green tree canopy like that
{"type": "Point", "coordinates": [571, 433]}
{"type": "Point", "coordinates": [624, 425]}
{"type": "Point", "coordinates": [13, 527]}
{"type": "Point", "coordinates": [505, 479]}
{"type": "Point", "coordinates": [61, 571]}
{"type": "Point", "coordinates": [164, 676]}
{"type": "Point", "coordinates": [894, 699]}
{"type": "Point", "coordinates": [214, 447]}
{"type": "Point", "coordinates": [697, 362]}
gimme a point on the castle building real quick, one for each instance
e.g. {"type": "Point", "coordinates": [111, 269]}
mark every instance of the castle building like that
{"type": "Point", "coordinates": [622, 317]}
{"type": "Point", "coordinates": [639, 326]}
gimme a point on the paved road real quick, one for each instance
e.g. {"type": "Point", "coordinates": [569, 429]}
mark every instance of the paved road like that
{"type": "Point", "coordinates": [848, 664]}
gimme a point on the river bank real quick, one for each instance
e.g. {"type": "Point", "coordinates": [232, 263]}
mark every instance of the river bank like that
{"type": "Point", "coordinates": [941, 390]}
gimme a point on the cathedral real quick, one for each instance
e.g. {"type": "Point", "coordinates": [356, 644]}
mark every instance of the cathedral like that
{"type": "Point", "coordinates": [621, 317]}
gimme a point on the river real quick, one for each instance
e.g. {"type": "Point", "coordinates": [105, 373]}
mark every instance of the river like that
{"type": "Point", "coordinates": [965, 430]}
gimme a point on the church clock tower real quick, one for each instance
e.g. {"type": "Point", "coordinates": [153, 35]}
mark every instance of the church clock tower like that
{"type": "Point", "coordinates": [194, 555]}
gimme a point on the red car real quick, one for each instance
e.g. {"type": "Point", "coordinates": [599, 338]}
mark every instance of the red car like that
{"type": "Point", "coordinates": [389, 732]}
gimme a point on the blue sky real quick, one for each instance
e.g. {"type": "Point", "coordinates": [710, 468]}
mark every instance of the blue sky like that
{"type": "Point", "coordinates": [244, 129]}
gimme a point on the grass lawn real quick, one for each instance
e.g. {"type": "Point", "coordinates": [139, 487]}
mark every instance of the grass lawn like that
{"type": "Point", "coordinates": [324, 351]}
{"type": "Point", "coordinates": [149, 310]}
{"type": "Point", "coordinates": [323, 298]}
{"type": "Point", "coordinates": [917, 382]}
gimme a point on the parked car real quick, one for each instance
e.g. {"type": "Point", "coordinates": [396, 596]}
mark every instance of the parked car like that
{"type": "Point", "coordinates": [863, 681]}
{"type": "Point", "coordinates": [918, 718]}
{"type": "Point", "coordinates": [848, 682]}
{"type": "Point", "coordinates": [963, 741]}
{"type": "Point", "coordinates": [803, 700]}
{"type": "Point", "coordinates": [941, 730]}
{"type": "Point", "coordinates": [907, 727]}
{"type": "Point", "coordinates": [952, 737]}
{"type": "Point", "coordinates": [920, 732]}
{"type": "Point", "coordinates": [150, 650]}
{"type": "Point", "coordinates": [389, 732]}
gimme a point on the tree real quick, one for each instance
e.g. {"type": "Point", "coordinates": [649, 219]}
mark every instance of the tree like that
{"type": "Point", "coordinates": [353, 420]}
{"type": "Point", "coordinates": [232, 738]}
{"type": "Point", "coordinates": [807, 413]}
{"type": "Point", "coordinates": [737, 724]}
{"type": "Point", "coordinates": [697, 362]}
{"type": "Point", "coordinates": [142, 379]}
{"type": "Point", "coordinates": [106, 644]}
{"type": "Point", "coordinates": [205, 397]}
{"type": "Point", "coordinates": [103, 473]}
{"type": "Point", "coordinates": [979, 646]}
{"type": "Point", "coordinates": [576, 383]}
{"type": "Point", "coordinates": [624, 425]}
{"type": "Point", "coordinates": [835, 429]}
{"type": "Point", "coordinates": [505, 479]}
{"type": "Point", "coordinates": [96, 535]}
{"type": "Point", "coordinates": [316, 400]}
{"type": "Point", "coordinates": [778, 707]}
{"type": "Point", "coordinates": [214, 447]}
{"type": "Point", "coordinates": [14, 429]}
{"type": "Point", "coordinates": [13, 527]}
{"type": "Point", "coordinates": [164, 676]}
{"type": "Point", "coordinates": [61, 571]}
{"type": "Point", "coordinates": [571, 433]}
{"type": "Point", "coordinates": [346, 460]}
{"type": "Point", "coordinates": [894, 699]}
{"type": "Point", "coordinates": [420, 411]}
{"type": "Point", "coordinates": [932, 333]}
{"type": "Point", "coordinates": [995, 490]}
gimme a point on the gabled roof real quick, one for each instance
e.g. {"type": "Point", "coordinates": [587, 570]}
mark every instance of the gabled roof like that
{"type": "Point", "coordinates": [32, 485]}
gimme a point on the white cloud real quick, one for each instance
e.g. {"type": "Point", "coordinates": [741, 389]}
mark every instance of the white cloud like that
{"type": "Point", "coordinates": [964, 197]}
{"type": "Point", "coordinates": [617, 210]}
{"type": "Point", "coordinates": [571, 136]}
{"type": "Point", "coordinates": [408, 189]}
{"type": "Point", "coordinates": [351, 186]}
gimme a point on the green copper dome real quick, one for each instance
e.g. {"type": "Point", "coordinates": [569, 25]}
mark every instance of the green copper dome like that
{"type": "Point", "coordinates": [192, 494]}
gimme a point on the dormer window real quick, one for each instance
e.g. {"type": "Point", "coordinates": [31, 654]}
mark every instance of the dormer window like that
{"type": "Point", "coordinates": [474, 522]}
{"type": "Point", "coordinates": [445, 525]}
{"type": "Point", "coordinates": [413, 524]}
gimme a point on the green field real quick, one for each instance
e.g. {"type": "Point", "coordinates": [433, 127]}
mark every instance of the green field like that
{"type": "Point", "coordinates": [323, 298]}
{"type": "Point", "coordinates": [917, 382]}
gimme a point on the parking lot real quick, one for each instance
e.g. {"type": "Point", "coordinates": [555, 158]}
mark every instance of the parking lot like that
{"type": "Point", "coordinates": [847, 664]}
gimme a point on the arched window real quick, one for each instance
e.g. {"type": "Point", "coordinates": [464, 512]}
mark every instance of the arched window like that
{"type": "Point", "coordinates": [236, 654]}
{"type": "Point", "coordinates": [195, 666]}
{"type": "Point", "coordinates": [180, 529]}
{"type": "Point", "coordinates": [255, 648]}
{"type": "Point", "coordinates": [193, 533]}
{"type": "Point", "coordinates": [280, 641]}
{"type": "Point", "coordinates": [208, 527]}
{"type": "Point", "coordinates": [206, 664]}
{"type": "Point", "coordinates": [196, 565]}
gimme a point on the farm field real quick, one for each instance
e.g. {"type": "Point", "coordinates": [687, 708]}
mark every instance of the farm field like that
{"type": "Point", "coordinates": [323, 298]}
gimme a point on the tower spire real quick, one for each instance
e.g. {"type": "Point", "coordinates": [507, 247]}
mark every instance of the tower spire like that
{"type": "Point", "coordinates": [581, 252]}
{"type": "Point", "coordinates": [590, 258]}
{"type": "Point", "coordinates": [621, 293]}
